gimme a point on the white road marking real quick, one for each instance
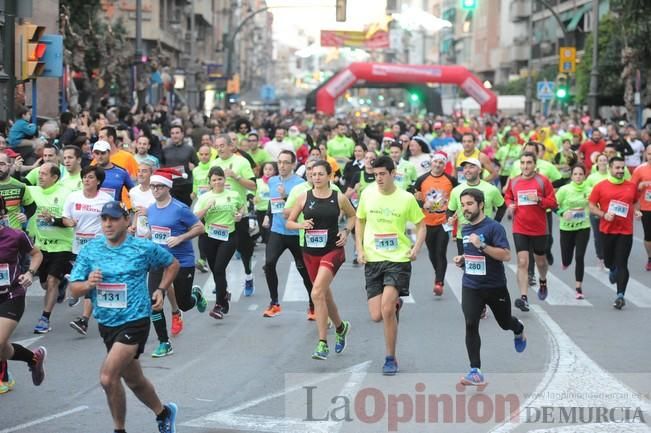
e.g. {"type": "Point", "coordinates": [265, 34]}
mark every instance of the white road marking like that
{"type": "Point", "coordinates": [559, 293]}
{"type": "Point", "coordinates": [253, 307]}
{"type": "Point", "coordinates": [571, 372]}
{"type": "Point", "coordinates": [234, 278]}
{"type": "Point", "coordinates": [29, 341]}
{"type": "Point", "coordinates": [294, 288]}
{"type": "Point", "coordinates": [453, 277]}
{"type": "Point", "coordinates": [636, 293]}
{"type": "Point", "coordinates": [408, 299]}
{"type": "Point", "coordinates": [227, 419]}
{"type": "Point", "coordinates": [44, 419]}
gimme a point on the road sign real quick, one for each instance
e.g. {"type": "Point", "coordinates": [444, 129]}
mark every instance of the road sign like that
{"type": "Point", "coordinates": [544, 90]}
{"type": "Point", "coordinates": [567, 60]}
{"type": "Point", "coordinates": [53, 57]}
{"type": "Point", "coordinates": [268, 92]}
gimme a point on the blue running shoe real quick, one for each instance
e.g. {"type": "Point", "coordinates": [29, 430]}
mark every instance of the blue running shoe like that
{"type": "Point", "coordinates": [249, 289]}
{"type": "Point", "coordinates": [43, 326]}
{"type": "Point", "coordinates": [321, 352]}
{"type": "Point", "coordinates": [390, 367]}
{"type": "Point", "coordinates": [340, 345]}
{"type": "Point", "coordinates": [520, 342]}
{"type": "Point", "coordinates": [168, 424]}
{"type": "Point", "coordinates": [619, 302]}
{"type": "Point", "coordinates": [612, 275]}
{"type": "Point", "coordinates": [474, 377]}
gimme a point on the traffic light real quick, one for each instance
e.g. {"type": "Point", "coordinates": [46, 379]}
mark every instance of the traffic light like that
{"type": "Point", "coordinates": [414, 97]}
{"type": "Point", "coordinates": [562, 89]}
{"type": "Point", "coordinates": [32, 50]}
{"type": "Point", "coordinates": [469, 5]}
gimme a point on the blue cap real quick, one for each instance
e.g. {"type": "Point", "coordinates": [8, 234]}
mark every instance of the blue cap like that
{"type": "Point", "coordinates": [114, 209]}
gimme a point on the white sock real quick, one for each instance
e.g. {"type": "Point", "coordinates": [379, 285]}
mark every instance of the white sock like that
{"type": "Point", "coordinates": [249, 277]}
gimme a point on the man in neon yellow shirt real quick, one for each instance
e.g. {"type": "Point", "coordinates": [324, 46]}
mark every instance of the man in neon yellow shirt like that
{"type": "Point", "coordinates": [72, 163]}
{"type": "Point", "coordinates": [382, 216]}
{"type": "Point", "coordinates": [53, 238]}
{"type": "Point", "coordinates": [341, 147]}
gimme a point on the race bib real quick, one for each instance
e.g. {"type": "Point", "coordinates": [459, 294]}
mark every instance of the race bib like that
{"type": "Point", "coordinates": [524, 199]}
{"type": "Point", "coordinates": [647, 195]}
{"type": "Point", "coordinates": [618, 208]}
{"type": "Point", "coordinates": [265, 195]}
{"type": "Point", "coordinates": [43, 223]}
{"type": "Point", "coordinates": [112, 295]}
{"type": "Point", "coordinates": [578, 214]}
{"type": "Point", "coordinates": [82, 239]}
{"type": "Point", "coordinates": [399, 178]}
{"type": "Point", "coordinates": [5, 280]}
{"type": "Point", "coordinates": [460, 176]}
{"type": "Point", "coordinates": [316, 238]}
{"type": "Point", "coordinates": [109, 191]}
{"type": "Point", "coordinates": [386, 242]}
{"type": "Point", "coordinates": [277, 205]}
{"type": "Point", "coordinates": [159, 235]}
{"type": "Point", "coordinates": [475, 265]}
{"type": "Point", "coordinates": [447, 227]}
{"type": "Point", "coordinates": [219, 232]}
{"type": "Point", "coordinates": [142, 226]}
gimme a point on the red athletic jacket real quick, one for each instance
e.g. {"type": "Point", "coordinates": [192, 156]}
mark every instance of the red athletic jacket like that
{"type": "Point", "coordinates": [530, 216]}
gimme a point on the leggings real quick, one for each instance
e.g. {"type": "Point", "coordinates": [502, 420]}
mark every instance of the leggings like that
{"type": "Point", "coordinates": [219, 253]}
{"type": "Point", "coordinates": [436, 240]}
{"type": "Point", "coordinates": [244, 243]}
{"type": "Point", "coordinates": [472, 303]}
{"type": "Point", "coordinates": [264, 231]}
{"type": "Point", "coordinates": [598, 241]}
{"type": "Point", "coordinates": [183, 291]}
{"type": "Point", "coordinates": [569, 241]}
{"type": "Point", "coordinates": [617, 249]}
{"type": "Point", "coordinates": [275, 248]}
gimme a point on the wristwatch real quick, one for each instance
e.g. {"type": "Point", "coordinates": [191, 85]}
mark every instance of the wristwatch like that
{"type": "Point", "coordinates": [32, 272]}
{"type": "Point", "coordinates": [482, 246]}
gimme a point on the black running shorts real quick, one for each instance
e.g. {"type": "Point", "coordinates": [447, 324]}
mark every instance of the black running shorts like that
{"type": "Point", "coordinates": [381, 274]}
{"type": "Point", "coordinates": [131, 333]}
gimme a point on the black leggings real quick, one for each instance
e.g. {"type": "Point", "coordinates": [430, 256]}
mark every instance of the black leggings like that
{"type": "Point", "coordinates": [219, 253]}
{"type": "Point", "coordinates": [617, 249]}
{"type": "Point", "coordinates": [276, 246]}
{"type": "Point", "coordinates": [437, 240]}
{"type": "Point", "coordinates": [472, 303]}
{"type": "Point", "coordinates": [571, 240]}
{"type": "Point", "coordinates": [598, 241]}
{"type": "Point", "coordinates": [244, 243]}
{"type": "Point", "coordinates": [183, 295]}
{"type": "Point", "coordinates": [264, 231]}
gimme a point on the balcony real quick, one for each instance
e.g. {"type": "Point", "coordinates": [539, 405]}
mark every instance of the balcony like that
{"type": "Point", "coordinates": [519, 10]}
{"type": "Point", "coordinates": [520, 49]}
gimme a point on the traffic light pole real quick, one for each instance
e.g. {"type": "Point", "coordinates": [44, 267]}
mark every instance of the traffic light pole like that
{"type": "Point", "coordinates": [7, 75]}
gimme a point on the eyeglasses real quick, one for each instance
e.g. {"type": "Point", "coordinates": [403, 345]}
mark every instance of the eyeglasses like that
{"type": "Point", "coordinates": [158, 186]}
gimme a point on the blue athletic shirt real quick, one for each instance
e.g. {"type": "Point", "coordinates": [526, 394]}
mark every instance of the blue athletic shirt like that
{"type": "Point", "coordinates": [277, 204]}
{"type": "Point", "coordinates": [174, 219]}
{"type": "Point", "coordinates": [127, 264]}
{"type": "Point", "coordinates": [493, 234]}
{"type": "Point", "coordinates": [116, 178]}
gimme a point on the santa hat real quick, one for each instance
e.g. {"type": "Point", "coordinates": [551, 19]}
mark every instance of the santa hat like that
{"type": "Point", "coordinates": [440, 155]}
{"type": "Point", "coordinates": [165, 176]}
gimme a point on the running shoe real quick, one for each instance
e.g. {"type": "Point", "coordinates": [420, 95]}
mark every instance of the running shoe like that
{"type": "Point", "coordinates": [80, 325]}
{"type": "Point", "coordinates": [163, 349]}
{"type": "Point", "coordinates": [216, 312]}
{"type": "Point", "coordinates": [10, 382]}
{"type": "Point", "coordinates": [226, 303]}
{"type": "Point", "coordinates": [73, 302]}
{"type": "Point", "coordinates": [398, 308]}
{"type": "Point", "coordinates": [311, 315]}
{"type": "Point", "coordinates": [532, 280]}
{"type": "Point", "coordinates": [522, 304]}
{"type": "Point", "coordinates": [272, 311]}
{"type": "Point", "coordinates": [249, 289]}
{"type": "Point", "coordinates": [63, 285]}
{"type": "Point", "coordinates": [38, 368]}
{"type": "Point", "coordinates": [579, 293]}
{"type": "Point", "coordinates": [619, 302]}
{"type": "Point", "coordinates": [168, 424]}
{"type": "Point", "coordinates": [474, 377]}
{"type": "Point", "coordinates": [648, 265]}
{"type": "Point", "coordinates": [542, 290]}
{"type": "Point", "coordinates": [340, 345]}
{"type": "Point", "coordinates": [177, 323]}
{"type": "Point", "coordinates": [520, 341]}
{"type": "Point", "coordinates": [202, 266]}
{"type": "Point", "coordinates": [390, 366]}
{"type": "Point", "coordinates": [484, 313]}
{"type": "Point", "coordinates": [438, 288]}
{"type": "Point", "coordinates": [4, 388]}
{"type": "Point", "coordinates": [201, 302]}
{"type": "Point", "coordinates": [612, 275]}
{"type": "Point", "coordinates": [321, 352]}
{"type": "Point", "coordinates": [43, 326]}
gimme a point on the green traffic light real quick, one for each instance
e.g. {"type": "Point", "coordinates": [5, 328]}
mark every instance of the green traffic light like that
{"type": "Point", "coordinates": [469, 5]}
{"type": "Point", "coordinates": [414, 97]}
{"type": "Point", "coordinates": [561, 93]}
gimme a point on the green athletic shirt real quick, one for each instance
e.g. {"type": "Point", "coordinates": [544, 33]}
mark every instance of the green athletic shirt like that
{"type": "Point", "coordinates": [574, 198]}
{"type": "Point", "coordinates": [293, 196]}
{"type": "Point", "coordinates": [493, 199]}
{"type": "Point", "coordinates": [545, 168]}
{"type": "Point", "coordinates": [200, 181]}
{"type": "Point", "coordinates": [508, 155]}
{"type": "Point", "coordinates": [627, 174]}
{"type": "Point", "coordinates": [405, 174]}
{"type": "Point", "coordinates": [340, 147]}
{"type": "Point", "coordinates": [72, 183]}
{"type": "Point", "coordinates": [32, 176]}
{"type": "Point", "coordinates": [262, 195]}
{"type": "Point", "coordinates": [227, 203]}
{"type": "Point", "coordinates": [16, 195]}
{"type": "Point", "coordinates": [50, 238]}
{"type": "Point", "coordinates": [241, 167]}
{"type": "Point", "coordinates": [386, 217]}
{"type": "Point", "coordinates": [595, 177]}
{"type": "Point", "coordinates": [260, 156]}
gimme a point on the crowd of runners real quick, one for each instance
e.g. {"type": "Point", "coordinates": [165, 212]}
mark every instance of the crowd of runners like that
{"type": "Point", "coordinates": [104, 208]}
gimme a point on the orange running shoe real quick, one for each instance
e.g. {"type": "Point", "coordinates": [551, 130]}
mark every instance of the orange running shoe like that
{"type": "Point", "coordinates": [177, 323]}
{"type": "Point", "coordinates": [272, 311]}
{"type": "Point", "coordinates": [438, 288]}
{"type": "Point", "coordinates": [311, 315]}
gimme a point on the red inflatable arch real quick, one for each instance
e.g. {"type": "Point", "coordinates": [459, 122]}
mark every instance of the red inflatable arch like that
{"type": "Point", "coordinates": [393, 73]}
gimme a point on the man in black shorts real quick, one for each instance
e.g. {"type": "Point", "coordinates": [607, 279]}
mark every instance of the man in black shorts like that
{"type": "Point", "coordinates": [382, 216]}
{"type": "Point", "coordinates": [15, 244]}
{"type": "Point", "coordinates": [113, 270]}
